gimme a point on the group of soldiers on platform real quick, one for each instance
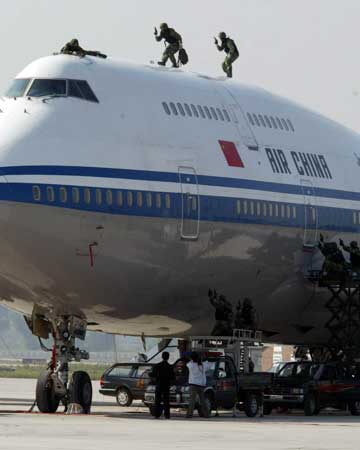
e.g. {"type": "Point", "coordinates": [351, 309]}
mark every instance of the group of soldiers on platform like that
{"type": "Point", "coordinates": [335, 261]}
{"type": "Point", "coordinates": [174, 46]}
{"type": "Point", "coordinates": [226, 320]}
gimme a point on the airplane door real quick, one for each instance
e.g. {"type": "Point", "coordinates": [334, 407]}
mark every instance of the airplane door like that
{"type": "Point", "coordinates": [310, 214]}
{"type": "Point", "coordinates": [246, 134]}
{"type": "Point", "coordinates": [190, 204]}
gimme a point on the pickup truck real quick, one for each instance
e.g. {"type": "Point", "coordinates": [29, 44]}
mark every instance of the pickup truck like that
{"type": "Point", "coordinates": [225, 387]}
{"type": "Point", "coordinates": [312, 386]}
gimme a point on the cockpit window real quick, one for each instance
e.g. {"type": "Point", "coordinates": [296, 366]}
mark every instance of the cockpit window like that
{"type": "Point", "coordinates": [44, 88]}
{"type": "Point", "coordinates": [87, 91]}
{"type": "Point", "coordinates": [18, 87]}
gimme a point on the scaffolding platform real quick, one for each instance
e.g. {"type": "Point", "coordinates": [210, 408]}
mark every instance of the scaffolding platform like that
{"type": "Point", "coordinates": [238, 346]}
{"type": "Point", "coordinates": [344, 306]}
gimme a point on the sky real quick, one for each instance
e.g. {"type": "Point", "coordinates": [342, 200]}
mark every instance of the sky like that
{"type": "Point", "coordinates": [304, 50]}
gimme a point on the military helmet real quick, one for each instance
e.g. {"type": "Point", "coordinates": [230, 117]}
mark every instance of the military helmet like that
{"type": "Point", "coordinates": [353, 244]}
{"type": "Point", "coordinates": [222, 35]}
{"type": "Point", "coordinates": [74, 42]}
{"type": "Point", "coordinates": [164, 26]}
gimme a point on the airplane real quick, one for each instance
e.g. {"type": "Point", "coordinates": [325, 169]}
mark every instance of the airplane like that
{"type": "Point", "coordinates": [127, 191]}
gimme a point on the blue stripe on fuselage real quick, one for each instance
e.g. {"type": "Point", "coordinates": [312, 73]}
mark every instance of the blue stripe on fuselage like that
{"type": "Point", "coordinates": [173, 177]}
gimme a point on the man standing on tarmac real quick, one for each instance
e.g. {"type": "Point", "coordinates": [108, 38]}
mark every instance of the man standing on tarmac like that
{"type": "Point", "coordinates": [163, 373]}
{"type": "Point", "coordinates": [232, 53]}
{"type": "Point", "coordinates": [354, 251]}
{"type": "Point", "coordinates": [197, 384]}
{"type": "Point", "coordinates": [174, 41]}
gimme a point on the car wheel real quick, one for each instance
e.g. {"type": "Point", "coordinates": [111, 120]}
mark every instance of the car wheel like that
{"type": "Point", "coordinates": [354, 408]}
{"type": "Point", "coordinates": [310, 406]}
{"type": "Point", "coordinates": [124, 397]}
{"type": "Point", "coordinates": [251, 405]}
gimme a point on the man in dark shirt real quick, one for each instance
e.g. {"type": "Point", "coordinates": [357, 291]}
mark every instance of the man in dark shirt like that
{"type": "Point", "coordinates": [163, 373]}
{"type": "Point", "coordinates": [232, 53]}
{"type": "Point", "coordinates": [174, 41]}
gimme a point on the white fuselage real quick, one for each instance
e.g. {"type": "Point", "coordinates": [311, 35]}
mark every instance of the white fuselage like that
{"type": "Point", "coordinates": [127, 210]}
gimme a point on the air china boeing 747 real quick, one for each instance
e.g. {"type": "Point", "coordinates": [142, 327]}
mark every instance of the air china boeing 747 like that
{"type": "Point", "coordinates": [128, 191]}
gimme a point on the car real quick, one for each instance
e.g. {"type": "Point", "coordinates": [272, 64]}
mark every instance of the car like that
{"type": "Point", "coordinates": [220, 390]}
{"type": "Point", "coordinates": [126, 382]}
{"type": "Point", "coordinates": [313, 386]}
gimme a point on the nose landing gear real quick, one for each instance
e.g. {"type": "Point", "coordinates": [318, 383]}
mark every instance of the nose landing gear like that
{"type": "Point", "coordinates": [53, 385]}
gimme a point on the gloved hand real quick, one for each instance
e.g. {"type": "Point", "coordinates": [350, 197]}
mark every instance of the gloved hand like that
{"type": "Point", "coordinates": [216, 41]}
{"type": "Point", "coordinates": [155, 31]}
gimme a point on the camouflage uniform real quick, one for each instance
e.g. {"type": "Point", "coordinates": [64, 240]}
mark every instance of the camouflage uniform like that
{"type": "Point", "coordinates": [354, 251]}
{"type": "Point", "coordinates": [72, 48]}
{"type": "Point", "coordinates": [334, 264]}
{"type": "Point", "coordinates": [232, 53]}
{"type": "Point", "coordinates": [223, 315]}
{"type": "Point", "coordinates": [174, 41]}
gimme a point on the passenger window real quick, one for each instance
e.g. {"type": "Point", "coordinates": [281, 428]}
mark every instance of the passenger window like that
{"type": "Point", "coordinates": [149, 200]}
{"type": "Point", "coordinates": [227, 117]}
{"type": "Point", "coordinates": [252, 208]}
{"type": "Point", "coordinates": [262, 121]}
{"type": "Point", "coordinates": [173, 109]}
{"type": "Point", "coordinates": [44, 88]}
{"type": "Point", "coordinates": [130, 199]}
{"type": "Point", "coordinates": [290, 125]}
{"type": "Point", "coordinates": [194, 203]}
{"type": "Point", "coordinates": [285, 124]}
{"type": "Point", "coordinates": [273, 122]}
{"type": "Point", "coordinates": [188, 110]}
{"type": "Point", "coordinates": [264, 209]}
{"type": "Point", "coordinates": [50, 193]}
{"type": "Point", "coordinates": [258, 208]}
{"type": "Point", "coordinates": [288, 212]}
{"type": "Point", "coordinates": [245, 207]}
{"type": "Point", "coordinates": [98, 195]}
{"type": "Point", "coordinates": [238, 207]}
{"type": "Point", "coordinates": [86, 91]}
{"type": "Point", "coordinates": [109, 197]}
{"type": "Point", "coordinates": [139, 199]}
{"type": "Point", "coordinates": [166, 108]}
{"type": "Point", "coordinates": [158, 200]}
{"type": "Point", "coordinates": [282, 210]}
{"type": "Point", "coordinates": [250, 119]}
{"type": "Point", "coordinates": [87, 195]}
{"type": "Point", "coordinates": [194, 110]}
{"type": "Point", "coordinates": [201, 111]}
{"type": "Point", "coordinates": [276, 207]}
{"type": "Point", "coordinates": [181, 109]}
{"type": "Point", "coordinates": [220, 114]}
{"type": "Point", "coordinates": [167, 201]}
{"type": "Point", "coordinates": [279, 123]}
{"type": "Point", "coordinates": [294, 212]}
{"type": "Point", "coordinates": [213, 113]}
{"type": "Point", "coordinates": [75, 195]}
{"type": "Point", "coordinates": [268, 123]}
{"type": "Point", "coordinates": [256, 120]}
{"type": "Point", "coordinates": [359, 217]}
{"type": "Point", "coordinates": [355, 218]}
{"type": "Point", "coordinates": [36, 193]}
{"type": "Point", "coordinates": [63, 195]}
{"type": "Point", "coordinates": [270, 209]}
{"type": "Point", "coordinates": [313, 214]}
{"type": "Point", "coordinates": [207, 112]}
{"type": "Point", "coordinates": [120, 198]}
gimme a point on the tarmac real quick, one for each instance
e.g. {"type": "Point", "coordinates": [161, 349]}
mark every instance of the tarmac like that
{"type": "Point", "coordinates": [112, 427]}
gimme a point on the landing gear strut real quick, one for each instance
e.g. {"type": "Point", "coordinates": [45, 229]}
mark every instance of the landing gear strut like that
{"type": "Point", "coordinates": [53, 385]}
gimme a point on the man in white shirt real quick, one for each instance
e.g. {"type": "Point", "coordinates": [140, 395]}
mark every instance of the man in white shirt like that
{"type": "Point", "coordinates": [197, 382]}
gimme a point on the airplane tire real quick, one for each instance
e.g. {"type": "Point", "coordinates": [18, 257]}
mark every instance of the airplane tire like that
{"type": "Point", "coordinates": [46, 400]}
{"type": "Point", "coordinates": [251, 405]}
{"type": "Point", "coordinates": [80, 390]}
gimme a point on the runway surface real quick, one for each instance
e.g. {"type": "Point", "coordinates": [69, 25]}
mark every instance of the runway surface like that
{"type": "Point", "coordinates": [110, 427]}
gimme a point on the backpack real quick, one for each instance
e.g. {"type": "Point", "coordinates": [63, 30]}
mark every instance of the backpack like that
{"type": "Point", "coordinates": [183, 57]}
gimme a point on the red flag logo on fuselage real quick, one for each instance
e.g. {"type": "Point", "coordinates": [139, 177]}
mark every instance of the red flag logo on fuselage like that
{"type": "Point", "coordinates": [231, 154]}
